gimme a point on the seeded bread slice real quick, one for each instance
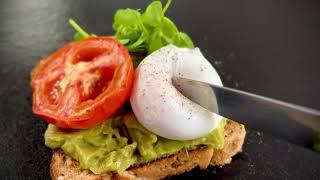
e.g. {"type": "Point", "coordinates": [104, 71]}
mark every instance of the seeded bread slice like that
{"type": "Point", "coordinates": [65, 168]}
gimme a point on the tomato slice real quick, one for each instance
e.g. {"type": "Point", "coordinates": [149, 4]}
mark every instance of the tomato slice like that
{"type": "Point", "coordinates": [83, 83]}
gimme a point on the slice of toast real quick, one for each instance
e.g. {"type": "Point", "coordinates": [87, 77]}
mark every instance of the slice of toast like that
{"type": "Point", "coordinates": [64, 167]}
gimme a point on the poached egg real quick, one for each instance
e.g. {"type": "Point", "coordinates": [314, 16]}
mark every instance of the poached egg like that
{"type": "Point", "coordinates": [160, 107]}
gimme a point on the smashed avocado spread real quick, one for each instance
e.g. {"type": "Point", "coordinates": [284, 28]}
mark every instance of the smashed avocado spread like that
{"type": "Point", "coordinates": [102, 149]}
{"type": "Point", "coordinates": [151, 146]}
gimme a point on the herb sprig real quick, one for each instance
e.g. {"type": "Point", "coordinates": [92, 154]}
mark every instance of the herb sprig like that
{"type": "Point", "coordinates": [143, 32]}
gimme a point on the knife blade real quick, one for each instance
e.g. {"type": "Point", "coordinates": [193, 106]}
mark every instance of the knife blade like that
{"type": "Point", "coordinates": [278, 118]}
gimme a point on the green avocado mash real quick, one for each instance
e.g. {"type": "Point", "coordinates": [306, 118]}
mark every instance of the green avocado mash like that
{"type": "Point", "coordinates": [151, 146]}
{"type": "Point", "coordinates": [102, 149]}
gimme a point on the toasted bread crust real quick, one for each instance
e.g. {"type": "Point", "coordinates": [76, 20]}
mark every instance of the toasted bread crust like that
{"type": "Point", "coordinates": [177, 164]}
{"type": "Point", "coordinates": [234, 135]}
{"type": "Point", "coordinates": [64, 167]}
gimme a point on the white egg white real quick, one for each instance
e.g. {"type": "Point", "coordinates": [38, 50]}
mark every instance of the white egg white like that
{"type": "Point", "coordinates": [163, 109]}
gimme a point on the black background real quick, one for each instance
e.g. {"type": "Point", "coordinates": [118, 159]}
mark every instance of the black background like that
{"type": "Point", "coordinates": [268, 47]}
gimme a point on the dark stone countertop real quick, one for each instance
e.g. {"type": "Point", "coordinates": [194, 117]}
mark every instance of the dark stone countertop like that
{"type": "Point", "coordinates": [266, 47]}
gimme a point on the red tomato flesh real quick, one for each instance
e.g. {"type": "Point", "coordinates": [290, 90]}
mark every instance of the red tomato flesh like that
{"type": "Point", "coordinates": [83, 83]}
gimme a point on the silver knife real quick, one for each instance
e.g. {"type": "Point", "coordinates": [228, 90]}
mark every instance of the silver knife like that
{"type": "Point", "coordinates": [280, 119]}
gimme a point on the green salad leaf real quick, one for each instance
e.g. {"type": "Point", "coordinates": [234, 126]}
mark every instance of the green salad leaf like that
{"type": "Point", "coordinates": [152, 16]}
{"type": "Point", "coordinates": [130, 27]}
{"type": "Point", "coordinates": [143, 32]}
{"type": "Point", "coordinates": [150, 30]}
